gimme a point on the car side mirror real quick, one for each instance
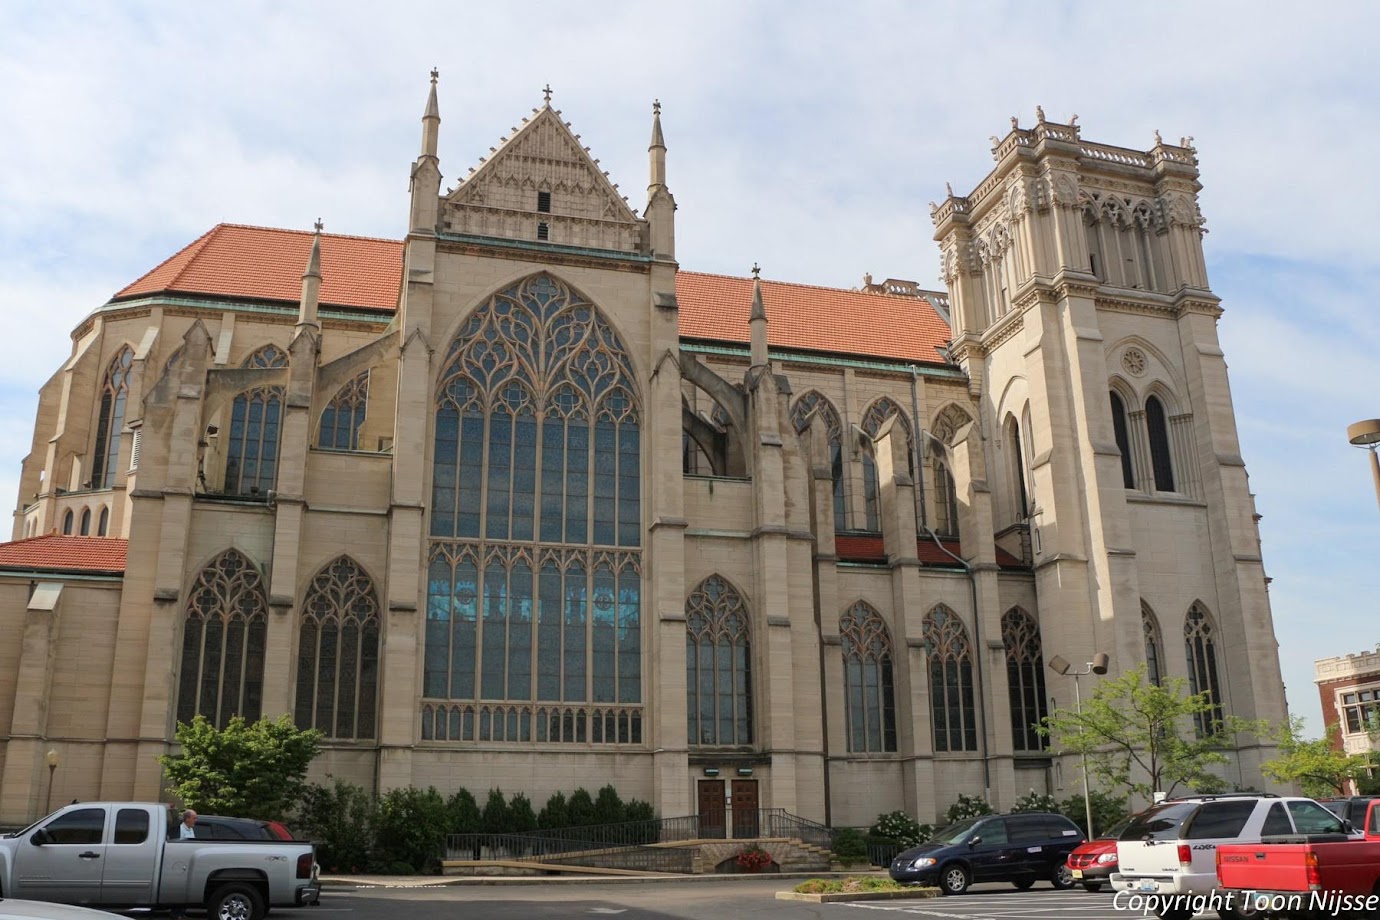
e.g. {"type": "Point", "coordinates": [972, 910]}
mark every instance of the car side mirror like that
{"type": "Point", "coordinates": [41, 837]}
{"type": "Point", "coordinates": [974, 841]}
{"type": "Point", "coordinates": [1346, 826]}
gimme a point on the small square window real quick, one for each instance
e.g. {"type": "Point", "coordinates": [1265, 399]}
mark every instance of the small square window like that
{"type": "Point", "coordinates": [1348, 697]}
{"type": "Point", "coordinates": [1365, 695]}
{"type": "Point", "coordinates": [543, 231]}
{"type": "Point", "coordinates": [544, 202]}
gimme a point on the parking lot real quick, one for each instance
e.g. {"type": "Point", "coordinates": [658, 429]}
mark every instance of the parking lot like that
{"type": "Point", "coordinates": [707, 900]}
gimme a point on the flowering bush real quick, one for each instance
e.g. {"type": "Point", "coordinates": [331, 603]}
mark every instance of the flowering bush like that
{"type": "Point", "coordinates": [900, 827]}
{"type": "Point", "coordinates": [753, 858]}
{"type": "Point", "coordinates": [967, 806]}
{"type": "Point", "coordinates": [1036, 801]}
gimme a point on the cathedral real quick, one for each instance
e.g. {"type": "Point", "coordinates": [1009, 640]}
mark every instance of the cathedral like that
{"type": "Point", "coordinates": [516, 501]}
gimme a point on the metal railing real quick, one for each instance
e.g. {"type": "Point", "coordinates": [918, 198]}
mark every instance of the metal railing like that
{"type": "Point", "coordinates": [881, 854]}
{"type": "Point", "coordinates": [535, 849]}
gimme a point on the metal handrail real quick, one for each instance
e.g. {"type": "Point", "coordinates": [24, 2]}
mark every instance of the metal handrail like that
{"type": "Point", "coordinates": [533, 849]}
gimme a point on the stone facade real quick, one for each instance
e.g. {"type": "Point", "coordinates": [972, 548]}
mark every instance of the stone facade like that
{"type": "Point", "coordinates": [821, 544]}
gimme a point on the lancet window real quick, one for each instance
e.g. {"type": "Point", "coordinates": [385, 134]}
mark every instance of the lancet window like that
{"type": "Point", "coordinates": [114, 393]}
{"type": "Point", "coordinates": [868, 677]}
{"type": "Point", "coordinates": [1154, 645]}
{"type": "Point", "coordinates": [877, 414]}
{"type": "Point", "coordinates": [223, 637]}
{"type": "Point", "coordinates": [815, 403]}
{"type": "Point", "coordinates": [534, 570]}
{"type": "Point", "coordinates": [946, 425]}
{"type": "Point", "coordinates": [338, 653]}
{"type": "Point", "coordinates": [256, 416]}
{"type": "Point", "coordinates": [343, 416]}
{"type": "Point", "coordinates": [1161, 456]}
{"type": "Point", "coordinates": [718, 662]}
{"type": "Point", "coordinates": [1200, 644]}
{"type": "Point", "coordinates": [1121, 431]}
{"type": "Point", "coordinates": [950, 654]}
{"type": "Point", "coordinates": [1025, 679]}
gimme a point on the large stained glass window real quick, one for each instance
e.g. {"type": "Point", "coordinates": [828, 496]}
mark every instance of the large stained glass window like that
{"type": "Point", "coordinates": [868, 680]}
{"type": "Point", "coordinates": [256, 417]}
{"type": "Point", "coordinates": [534, 574]}
{"type": "Point", "coordinates": [338, 653]}
{"type": "Point", "coordinates": [1025, 679]}
{"type": "Point", "coordinates": [951, 681]}
{"type": "Point", "coordinates": [114, 393]}
{"type": "Point", "coordinates": [718, 663]}
{"type": "Point", "coordinates": [223, 638]}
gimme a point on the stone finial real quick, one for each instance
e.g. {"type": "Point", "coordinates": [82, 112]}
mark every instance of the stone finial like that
{"type": "Point", "coordinates": [1073, 120]}
{"type": "Point", "coordinates": [1015, 123]}
{"type": "Point", "coordinates": [757, 321]}
{"type": "Point", "coordinates": [1040, 114]}
{"type": "Point", "coordinates": [949, 187]}
{"type": "Point", "coordinates": [546, 93]}
{"type": "Point", "coordinates": [1159, 141]}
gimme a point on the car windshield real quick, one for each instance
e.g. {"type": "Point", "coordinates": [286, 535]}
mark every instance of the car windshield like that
{"type": "Point", "coordinates": [1116, 830]}
{"type": "Point", "coordinates": [1158, 823]}
{"type": "Point", "coordinates": [954, 833]}
{"type": "Point", "coordinates": [1338, 808]}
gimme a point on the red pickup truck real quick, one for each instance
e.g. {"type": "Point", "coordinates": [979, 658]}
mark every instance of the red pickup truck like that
{"type": "Point", "coordinates": [1311, 872]}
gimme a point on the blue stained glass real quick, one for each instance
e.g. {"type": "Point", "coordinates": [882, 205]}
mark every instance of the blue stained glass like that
{"type": "Point", "coordinates": [464, 601]}
{"type": "Point", "coordinates": [495, 628]}
{"type": "Point", "coordinates": [575, 592]}
{"type": "Point", "coordinates": [524, 475]}
{"type": "Point", "coordinates": [604, 615]}
{"type": "Point", "coordinates": [471, 473]}
{"type": "Point", "coordinates": [552, 478]}
{"type": "Point", "coordinates": [549, 635]}
{"type": "Point", "coordinates": [577, 481]}
{"type": "Point", "coordinates": [500, 466]}
{"type": "Point", "coordinates": [520, 633]}
{"type": "Point", "coordinates": [629, 637]}
{"type": "Point", "coordinates": [605, 481]}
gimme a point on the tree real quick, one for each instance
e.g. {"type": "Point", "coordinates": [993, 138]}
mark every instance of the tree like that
{"type": "Point", "coordinates": [249, 771]}
{"type": "Point", "coordinates": [495, 818]}
{"type": "Point", "coordinates": [463, 816]}
{"type": "Point", "coordinates": [1314, 764]}
{"type": "Point", "coordinates": [1140, 736]}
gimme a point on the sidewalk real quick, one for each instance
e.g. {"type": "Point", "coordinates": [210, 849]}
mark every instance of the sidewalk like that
{"type": "Point", "coordinates": [443, 881]}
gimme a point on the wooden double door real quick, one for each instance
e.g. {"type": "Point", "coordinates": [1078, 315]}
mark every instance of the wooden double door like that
{"type": "Point", "coordinates": [716, 807]}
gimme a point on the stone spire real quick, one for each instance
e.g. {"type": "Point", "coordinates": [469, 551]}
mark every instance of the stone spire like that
{"type": "Point", "coordinates": [758, 321]}
{"type": "Point", "coordinates": [311, 287]}
{"type": "Point", "coordinates": [657, 148]}
{"type": "Point", "coordinates": [431, 119]}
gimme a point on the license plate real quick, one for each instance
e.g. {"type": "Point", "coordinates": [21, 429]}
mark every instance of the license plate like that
{"type": "Point", "coordinates": [1077, 873]}
{"type": "Point", "coordinates": [1149, 886]}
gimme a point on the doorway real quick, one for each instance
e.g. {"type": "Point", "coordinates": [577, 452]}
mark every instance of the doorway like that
{"type": "Point", "coordinates": [711, 800]}
{"type": "Point", "coordinates": [745, 823]}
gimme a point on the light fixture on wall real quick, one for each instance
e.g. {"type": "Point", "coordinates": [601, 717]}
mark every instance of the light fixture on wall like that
{"type": "Point", "coordinates": [52, 759]}
{"type": "Point", "coordinates": [711, 771]}
{"type": "Point", "coordinates": [745, 771]}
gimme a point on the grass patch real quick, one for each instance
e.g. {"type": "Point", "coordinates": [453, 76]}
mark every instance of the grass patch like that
{"type": "Point", "coordinates": [851, 885]}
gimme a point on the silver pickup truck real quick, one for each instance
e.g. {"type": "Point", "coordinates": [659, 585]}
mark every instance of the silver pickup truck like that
{"type": "Point", "coordinates": [127, 854]}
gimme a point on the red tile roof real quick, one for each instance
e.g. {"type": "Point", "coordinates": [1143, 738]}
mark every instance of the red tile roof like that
{"type": "Point", "coordinates": [800, 316]}
{"type": "Point", "coordinates": [266, 264]}
{"type": "Point", "coordinates": [868, 548]}
{"type": "Point", "coordinates": [53, 553]}
{"type": "Point", "coordinates": [260, 263]}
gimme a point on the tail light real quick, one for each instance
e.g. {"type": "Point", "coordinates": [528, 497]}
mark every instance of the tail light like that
{"type": "Point", "coordinates": [304, 865]}
{"type": "Point", "coordinates": [1185, 855]}
{"type": "Point", "coordinates": [1310, 866]}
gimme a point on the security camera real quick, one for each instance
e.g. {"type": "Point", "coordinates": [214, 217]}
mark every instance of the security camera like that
{"type": "Point", "coordinates": [1099, 663]}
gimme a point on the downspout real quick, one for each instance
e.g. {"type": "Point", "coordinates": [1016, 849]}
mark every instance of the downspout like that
{"type": "Point", "coordinates": [918, 471]}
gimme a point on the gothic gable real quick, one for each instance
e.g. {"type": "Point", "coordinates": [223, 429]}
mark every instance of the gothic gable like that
{"type": "Point", "coordinates": [540, 184]}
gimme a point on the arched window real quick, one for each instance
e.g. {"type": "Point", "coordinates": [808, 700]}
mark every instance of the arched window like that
{"type": "Point", "coordinates": [951, 681]}
{"type": "Point", "coordinates": [1154, 645]}
{"type": "Point", "coordinates": [251, 458]}
{"type": "Point", "coordinates": [269, 356]}
{"type": "Point", "coordinates": [85, 522]}
{"type": "Point", "coordinates": [868, 680]}
{"type": "Point", "coordinates": [534, 570]}
{"type": "Point", "coordinates": [718, 665]}
{"type": "Point", "coordinates": [67, 522]}
{"type": "Point", "coordinates": [1201, 649]}
{"type": "Point", "coordinates": [946, 425]}
{"type": "Point", "coordinates": [104, 524]}
{"type": "Point", "coordinates": [1025, 679]}
{"type": "Point", "coordinates": [1016, 447]}
{"type": "Point", "coordinates": [1160, 456]}
{"type": "Point", "coordinates": [815, 402]}
{"type": "Point", "coordinates": [114, 393]}
{"type": "Point", "coordinates": [338, 653]}
{"type": "Point", "coordinates": [877, 414]}
{"type": "Point", "coordinates": [1123, 440]}
{"type": "Point", "coordinates": [344, 415]}
{"type": "Point", "coordinates": [223, 638]}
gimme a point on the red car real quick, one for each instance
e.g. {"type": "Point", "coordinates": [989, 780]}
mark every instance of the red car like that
{"type": "Point", "coordinates": [1095, 860]}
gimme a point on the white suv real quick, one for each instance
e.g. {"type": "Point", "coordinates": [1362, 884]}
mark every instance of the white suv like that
{"type": "Point", "coordinates": [1168, 853]}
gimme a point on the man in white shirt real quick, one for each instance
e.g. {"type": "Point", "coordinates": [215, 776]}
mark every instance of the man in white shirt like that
{"type": "Point", "coordinates": [187, 830]}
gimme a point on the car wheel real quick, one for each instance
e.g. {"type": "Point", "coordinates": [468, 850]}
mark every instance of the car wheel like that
{"type": "Point", "coordinates": [1244, 908]}
{"type": "Point", "coordinates": [1062, 877]}
{"type": "Point", "coordinates": [235, 901]}
{"type": "Point", "coordinates": [953, 879]}
{"type": "Point", "coordinates": [1094, 887]}
{"type": "Point", "coordinates": [1022, 883]}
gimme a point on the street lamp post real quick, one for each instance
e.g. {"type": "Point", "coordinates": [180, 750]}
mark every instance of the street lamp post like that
{"type": "Point", "coordinates": [1367, 435]}
{"type": "Point", "coordinates": [1098, 665]}
{"type": "Point", "coordinates": [52, 758]}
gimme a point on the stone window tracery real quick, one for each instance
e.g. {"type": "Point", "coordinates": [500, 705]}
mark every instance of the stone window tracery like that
{"type": "Point", "coordinates": [256, 416]}
{"type": "Point", "coordinates": [1200, 646]}
{"type": "Point", "coordinates": [718, 662]}
{"type": "Point", "coordinates": [1025, 679]}
{"type": "Point", "coordinates": [338, 653]}
{"type": "Point", "coordinates": [815, 402]}
{"type": "Point", "coordinates": [343, 416]}
{"type": "Point", "coordinates": [534, 571]}
{"type": "Point", "coordinates": [877, 414]}
{"type": "Point", "coordinates": [114, 394]}
{"type": "Point", "coordinates": [1154, 645]}
{"type": "Point", "coordinates": [869, 684]}
{"type": "Point", "coordinates": [950, 654]}
{"type": "Point", "coordinates": [224, 633]}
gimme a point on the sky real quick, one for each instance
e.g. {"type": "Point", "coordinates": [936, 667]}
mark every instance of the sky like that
{"type": "Point", "coordinates": [807, 136]}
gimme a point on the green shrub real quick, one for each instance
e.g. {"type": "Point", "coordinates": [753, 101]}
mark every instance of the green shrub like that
{"type": "Point", "coordinates": [554, 814]}
{"type": "Point", "coordinates": [1036, 801]}
{"type": "Point", "coordinates": [462, 813]}
{"type": "Point", "coordinates": [967, 806]}
{"type": "Point", "coordinates": [849, 845]}
{"type": "Point", "coordinates": [521, 818]}
{"type": "Point", "coordinates": [580, 809]}
{"type": "Point", "coordinates": [608, 807]}
{"type": "Point", "coordinates": [1107, 810]}
{"type": "Point", "coordinates": [495, 818]}
{"type": "Point", "coordinates": [339, 819]}
{"type": "Point", "coordinates": [899, 827]}
{"type": "Point", "coordinates": [409, 830]}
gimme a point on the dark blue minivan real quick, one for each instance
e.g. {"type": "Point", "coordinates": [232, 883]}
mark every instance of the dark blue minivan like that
{"type": "Point", "coordinates": [1022, 849]}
